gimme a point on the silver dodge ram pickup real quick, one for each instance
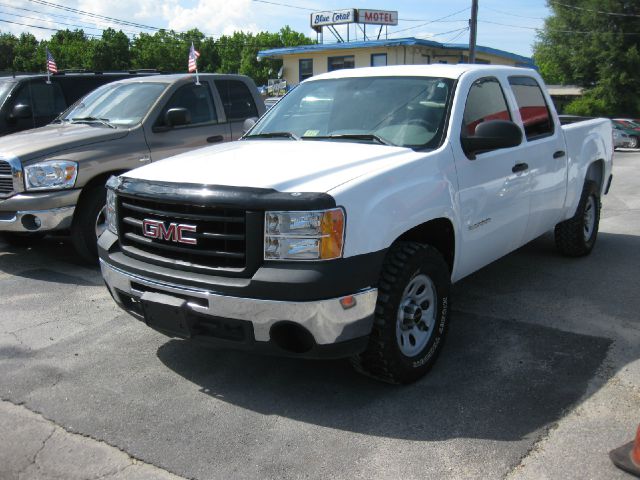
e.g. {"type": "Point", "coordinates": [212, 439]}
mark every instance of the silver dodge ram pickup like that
{"type": "Point", "coordinates": [52, 178]}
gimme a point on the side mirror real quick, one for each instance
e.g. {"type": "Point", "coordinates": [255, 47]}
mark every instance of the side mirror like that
{"type": "Point", "coordinates": [174, 117]}
{"type": "Point", "coordinates": [492, 135]}
{"type": "Point", "coordinates": [21, 111]}
{"type": "Point", "coordinates": [248, 124]}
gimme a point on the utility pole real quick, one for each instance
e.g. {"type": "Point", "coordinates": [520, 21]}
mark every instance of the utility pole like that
{"type": "Point", "coordinates": [473, 28]}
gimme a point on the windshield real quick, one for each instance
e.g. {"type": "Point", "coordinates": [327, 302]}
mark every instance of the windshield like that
{"type": "Point", "coordinates": [117, 103]}
{"type": "Point", "coordinates": [400, 111]}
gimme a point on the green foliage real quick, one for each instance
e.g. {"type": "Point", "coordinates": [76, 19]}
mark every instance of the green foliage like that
{"type": "Point", "coordinates": [111, 52]}
{"type": "Point", "coordinates": [164, 50]}
{"type": "Point", "coordinates": [600, 52]}
{"type": "Point", "coordinates": [24, 54]}
{"type": "Point", "coordinates": [7, 46]}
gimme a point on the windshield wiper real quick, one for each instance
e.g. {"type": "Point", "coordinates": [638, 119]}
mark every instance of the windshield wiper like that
{"type": "Point", "coordinates": [353, 136]}
{"type": "Point", "coordinates": [290, 135]}
{"type": "Point", "coordinates": [102, 121]}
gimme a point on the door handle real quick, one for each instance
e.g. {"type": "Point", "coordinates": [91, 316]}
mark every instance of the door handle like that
{"type": "Point", "coordinates": [215, 139]}
{"type": "Point", "coordinates": [559, 154]}
{"type": "Point", "coordinates": [144, 158]}
{"type": "Point", "coordinates": [519, 167]}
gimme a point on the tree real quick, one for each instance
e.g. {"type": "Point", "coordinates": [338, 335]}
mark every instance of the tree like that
{"type": "Point", "coordinates": [111, 52]}
{"type": "Point", "coordinates": [7, 46]}
{"type": "Point", "coordinates": [71, 49]}
{"type": "Point", "coordinates": [594, 44]}
{"type": "Point", "coordinates": [24, 59]}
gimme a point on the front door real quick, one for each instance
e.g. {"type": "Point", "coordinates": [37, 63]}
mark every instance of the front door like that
{"type": "Point", "coordinates": [203, 129]}
{"type": "Point", "coordinates": [493, 198]}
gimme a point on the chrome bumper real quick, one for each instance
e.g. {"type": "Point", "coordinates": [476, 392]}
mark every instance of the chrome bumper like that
{"type": "Point", "coordinates": [327, 320]}
{"type": "Point", "coordinates": [36, 220]}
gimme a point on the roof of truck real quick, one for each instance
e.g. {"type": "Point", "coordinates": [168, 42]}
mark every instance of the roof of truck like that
{"type": "Point", "coordinates": [433, 70]}
{"type": "Point", "coordinates": [174, 77]}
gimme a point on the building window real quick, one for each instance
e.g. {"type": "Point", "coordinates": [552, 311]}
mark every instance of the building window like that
{"type": "Point", "coordinates": [338, 63]}
{"type": "Point", "coordinates": [305, 66]}
{"type": "Point", "coordinates": [378, 59]}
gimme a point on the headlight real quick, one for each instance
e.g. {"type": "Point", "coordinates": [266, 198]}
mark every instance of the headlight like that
{"type": "Point", "coordinates": [111, 212]}
{"type": "Point", "coordinates": [317, 235]}
{"type": "Point", "coordinates": [52, 175]}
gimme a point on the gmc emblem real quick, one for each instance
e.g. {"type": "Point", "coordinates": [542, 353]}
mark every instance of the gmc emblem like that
{"type": "Point", "coordinates": [174, 232]}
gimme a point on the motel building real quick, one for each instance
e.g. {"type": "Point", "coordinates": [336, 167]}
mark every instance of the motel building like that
{"type": "Point", "coordinates": [302, 62]}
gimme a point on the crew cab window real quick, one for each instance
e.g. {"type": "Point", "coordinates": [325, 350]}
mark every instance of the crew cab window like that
{"type": "Point", "coordinates": [46, 100]}
{"type": "Point", "coordinates": [197, 100]}
{"type": "Point", "coordinates": [486, 101]}
{"type": "Point", "coordinates": [534, 111]}
{"type": "Point", "coordinates": [237, 100]}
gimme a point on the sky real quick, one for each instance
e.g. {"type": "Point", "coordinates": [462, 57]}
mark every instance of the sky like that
{"type": "Point", "coordinates": [509, 26]}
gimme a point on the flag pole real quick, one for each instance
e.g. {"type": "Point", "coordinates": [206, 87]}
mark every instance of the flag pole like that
{"type": "Point", "coordinates": [197, 78]}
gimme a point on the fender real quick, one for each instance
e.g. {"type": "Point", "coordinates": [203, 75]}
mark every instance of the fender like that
{"type": "Point", "coordinates": [382, 205]}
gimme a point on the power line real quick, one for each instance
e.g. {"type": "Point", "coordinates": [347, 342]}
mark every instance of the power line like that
{"type": "Point", "coordinates": [41, 28]}
{"type": "Point", "coordinates": [511, 14]}
{"type": "Point", "coordinates": [95, 15]}
{"type": "Point", "coordinates": [601, 12]}
{"type": "Point", "coordinates": [285, 5]}
{"type": "Point", "coordinates": [83, 27]}
{"type": "Point", "coordinates": [431, 21]}
{"type": "Point", "coordinates": [591, 32]}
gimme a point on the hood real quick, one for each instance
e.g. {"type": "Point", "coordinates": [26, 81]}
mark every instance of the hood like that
{"type": "Point", "coordinates": [54, 138]}
{"type": "Point", "coordinates": [284, 165]}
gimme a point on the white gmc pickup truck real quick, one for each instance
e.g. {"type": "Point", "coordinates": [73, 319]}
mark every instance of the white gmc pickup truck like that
{"type": "Point", "coordinates": [336, 226]}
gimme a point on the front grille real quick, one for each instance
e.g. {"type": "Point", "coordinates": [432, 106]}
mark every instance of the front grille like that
{"type": "Point", "coordinates": [6, 178]}
{"type": "Point", "coordinates": [220, 233]}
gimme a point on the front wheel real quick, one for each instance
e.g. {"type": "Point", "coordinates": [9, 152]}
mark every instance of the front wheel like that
{"type": "Point", "coordinates": [577, 236]}
{"type": "Point", "coordinates": [411, 316]}
{"type": "Point", "coordinates": [89, 222]}
{"type": "Point", "coordinates": [634, 142]}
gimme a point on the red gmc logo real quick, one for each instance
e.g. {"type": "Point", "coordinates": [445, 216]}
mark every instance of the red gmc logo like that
{"type": "Point", "coordinates": [174, 232]}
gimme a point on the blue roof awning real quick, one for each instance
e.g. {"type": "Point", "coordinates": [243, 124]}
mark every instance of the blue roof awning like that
{"type": "Point", "coordinates": [392, 42]}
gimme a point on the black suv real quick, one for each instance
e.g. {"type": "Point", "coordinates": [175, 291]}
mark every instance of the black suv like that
{"type": "Point", "coordinates": [28, 101]}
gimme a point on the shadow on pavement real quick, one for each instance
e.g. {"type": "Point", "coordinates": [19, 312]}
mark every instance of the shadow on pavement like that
{"type": "Point", "coordinates": [501, 375]}
{"type": "Point", "coordinates": [43, 261]}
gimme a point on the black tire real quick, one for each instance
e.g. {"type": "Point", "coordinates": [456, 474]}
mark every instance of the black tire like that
{"type": "Point", "coordinates": [383, 358]}
{"type": "Point", "coordinates": [573, 238]}
{"type": "Point", "coordinates": [83, 228]}
{"type": "Point", "coordinates": [18, 239]}
{"type": "Point", "coordinates": [635, 142]}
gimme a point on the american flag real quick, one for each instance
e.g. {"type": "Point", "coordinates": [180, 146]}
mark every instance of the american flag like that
{"type": "Point", "coordinates": [193, 59]}
{"type": "Point", "coordinates": [51, 63]}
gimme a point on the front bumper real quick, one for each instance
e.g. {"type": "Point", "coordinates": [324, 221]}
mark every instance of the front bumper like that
{"type": "Point", "coordinates": [332, 331]}
{"type": "Point", "coordinates": [38, 212]}
{"type": "Point", "coordinates": [36, 220]}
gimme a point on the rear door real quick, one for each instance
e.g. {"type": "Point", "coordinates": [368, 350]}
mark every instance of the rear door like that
{"type": "Point", "coordinates": [493, 192]}
{"type": "Point", "coordinates": [207, 124]}
{"type": "Point", "coordinates": [544, 151]}
{"type": "Point", "coordinates": [238, 104]}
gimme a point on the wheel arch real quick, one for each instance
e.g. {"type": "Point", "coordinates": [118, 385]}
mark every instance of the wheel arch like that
{"type": "Point", "coordinates": [595, 172]}
{"type": "Point", "coordinates": [97, 180]}
{"type": "Point", "coordinates": [439, 233]}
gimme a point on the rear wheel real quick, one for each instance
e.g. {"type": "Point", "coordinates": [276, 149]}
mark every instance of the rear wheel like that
{"type": "Point", "coordinates": [577, 236]}
{"type": "Point", "coordinates": [89, 222]}
{"type": "Point", "coordinates": [635, 142]}
{"type": "Point", "coordinates": [411, 316]}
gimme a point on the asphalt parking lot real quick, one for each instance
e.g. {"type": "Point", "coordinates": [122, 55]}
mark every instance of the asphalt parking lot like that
{"type": "Point", "coordinates": [540, 378]}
